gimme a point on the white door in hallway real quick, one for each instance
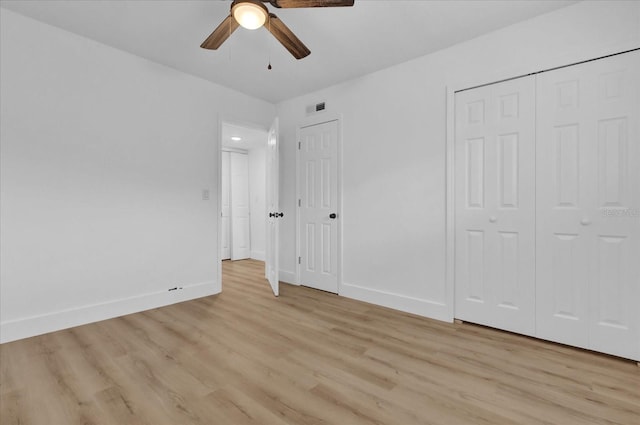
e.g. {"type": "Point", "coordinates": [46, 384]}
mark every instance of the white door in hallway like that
{"type": "Point", "coordinates": [240, 237]}
{"type": "Point", "coordinates": [225, 227]}
{"type": "Point", "coordinates": [273, 208]}
{"type": "Point", "coordinates": [318, 206]}
{"type": "Point", "coordinates": [495, 205]}
{"type": "Point", "coordinates": [588, 205]}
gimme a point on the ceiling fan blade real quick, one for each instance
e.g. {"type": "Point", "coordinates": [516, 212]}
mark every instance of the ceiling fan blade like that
{"type": "Point", "coordinates": [286, 4]}
{"type": "Point", "coordinates": [286, 37]}
{"type": "Point", "coordinates": [220, 34]}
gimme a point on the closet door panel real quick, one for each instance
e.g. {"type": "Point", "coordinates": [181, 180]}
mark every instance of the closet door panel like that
{"type": "Point", "coordinates": [240, 218]}
{"type": "Point", "coordinates": [614, 325]}
{"type": "Point", "coordinates": [474, 130]}
{"type": "Point", "coordinates": [588, 229]}
{"type": "Point", "coordinates": [564, 160]}
{"type": "Point", "coordinates": [495, 261]}
{"type": "Point", "coordinates": [225, 222]}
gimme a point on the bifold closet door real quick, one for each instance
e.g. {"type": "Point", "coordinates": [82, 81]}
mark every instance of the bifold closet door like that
{"type": "Point", "coordinates": [495, 205]}
{"type": "Point", "coordinates": [588, 205]}
{"type": "Point", "coordinates": [225, 207]}
{"type": "Point", "coordinates": [240, 224]}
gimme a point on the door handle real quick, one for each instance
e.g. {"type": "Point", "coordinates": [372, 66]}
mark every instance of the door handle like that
{"type": "Point", "coordinates": [493, 219]}
{"type": "Point", "coordinates": [333, 216]}
{"type": "Point", "coordinates": [273, 215]}
{"type": "Point", "coordinates": [585, 221]}
{"type": "Point", "coordinates": [279, 214]}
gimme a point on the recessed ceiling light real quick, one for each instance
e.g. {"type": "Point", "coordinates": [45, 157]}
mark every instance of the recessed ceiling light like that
{"type": "Point", "coordinates": [236, 138]}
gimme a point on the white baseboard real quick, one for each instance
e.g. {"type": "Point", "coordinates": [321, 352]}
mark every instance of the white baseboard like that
{"type": "Point", "coordinates": [257, 255]}
{"type": "Point", "coordinates": [37, 325]}
{"type": "Point", "coordinates": [288, 277]}
{"type": "Point", "coordinates": [421, 307]}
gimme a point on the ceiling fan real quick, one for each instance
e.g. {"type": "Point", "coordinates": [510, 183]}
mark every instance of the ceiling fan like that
{"type": "Point", "coordinates": [252, 14]}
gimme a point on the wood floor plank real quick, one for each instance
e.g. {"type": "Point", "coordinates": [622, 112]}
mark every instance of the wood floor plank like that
{"type": "Point", "coordinates": [308, 357]}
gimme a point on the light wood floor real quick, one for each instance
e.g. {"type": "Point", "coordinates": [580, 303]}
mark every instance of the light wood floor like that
{"type": "Point", "coordinates": [308, 357]}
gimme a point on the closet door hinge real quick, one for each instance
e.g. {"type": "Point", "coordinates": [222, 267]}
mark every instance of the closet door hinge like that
{"type": "Point", "coordinates": [299, 202]}
{"type": "Point", "coordinates": [299, 145]}
{"type": "Point", "coordinates": [299, 260]}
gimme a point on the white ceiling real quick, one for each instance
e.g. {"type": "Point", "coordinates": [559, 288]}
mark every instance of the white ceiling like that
{"type": "Point", "coordinates": [345, 42]}
{"type": "Point", "coordinates": [252, 138]}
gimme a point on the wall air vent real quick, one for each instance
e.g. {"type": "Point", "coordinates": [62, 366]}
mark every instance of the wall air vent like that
{"type": "Point", "coordinates": [318, 107]}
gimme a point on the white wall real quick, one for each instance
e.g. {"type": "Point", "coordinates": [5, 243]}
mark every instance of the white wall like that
{"type": "Point", "coordinates": [257, 206]}
{"type": "Point", "coordinates": [394, 148]}
{"type": "Point", "coordinates": [104, 157]}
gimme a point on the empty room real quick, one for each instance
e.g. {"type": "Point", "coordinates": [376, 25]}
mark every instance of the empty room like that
{"type": "Point", "coordinates": [305, 212]}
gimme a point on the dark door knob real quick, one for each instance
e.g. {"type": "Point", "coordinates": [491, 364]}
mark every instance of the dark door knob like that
{"type": "Point", "coordinates": [273, 215]}
{"type": "Point", "coordinates": [279, 214]}
{"type": "Point", "coordinates": [332, 216]}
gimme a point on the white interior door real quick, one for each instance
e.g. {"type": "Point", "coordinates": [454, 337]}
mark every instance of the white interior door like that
{"type": "Point", "coordinates": [240, 237]}
{"type": "Point", "coordinates": [226, 208]}
{"type": "Point", "coordinates": [318, 206]}
{"type": "Point", "coordinates": [272, 201]}
{"type": "Point", "coordinates": [588, 205]}
{"type": "Point", "coordinates": [495, 205]}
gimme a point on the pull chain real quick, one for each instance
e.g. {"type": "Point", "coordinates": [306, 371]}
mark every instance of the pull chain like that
{"type": "Point", "coordinates": [269, 45]}
{"type": "Point", "coordinates": [228, 36]}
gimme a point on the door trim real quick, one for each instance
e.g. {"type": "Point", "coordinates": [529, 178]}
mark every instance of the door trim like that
{"type": "Point", "coordinates": [450, 222]}
{"type": "Point", "coordinates": [308, 123]}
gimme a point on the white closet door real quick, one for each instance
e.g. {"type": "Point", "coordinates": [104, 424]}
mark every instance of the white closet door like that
{"type": "Point", "coordinates": [226, 208]}
{"type": "Point", "coordinates": [495, 205]}
{"type": "Point", "coordinates": [588, 205]}
{"type": "Point", "coordinates": [240, 237]}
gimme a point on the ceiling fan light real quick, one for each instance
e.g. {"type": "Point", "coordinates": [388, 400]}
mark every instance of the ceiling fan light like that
{"type": "Point", "coordinates": [249, 14]}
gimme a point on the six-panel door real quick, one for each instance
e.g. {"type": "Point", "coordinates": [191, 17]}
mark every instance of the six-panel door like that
{"type": "Point", "coordinates": [588, 205]}
{"type": "Point", "coordinates": [319, 206]}
{"type": "Point", "coordinates": [494, 200]}
{"type": "Point", "coordinates": [273, 206]}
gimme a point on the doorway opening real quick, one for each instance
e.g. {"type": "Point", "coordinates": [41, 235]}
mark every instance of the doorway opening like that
{"type": "Point", "coordinates": [248, 197]}
{"type": "Point", "coordinates": [243, 208]}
